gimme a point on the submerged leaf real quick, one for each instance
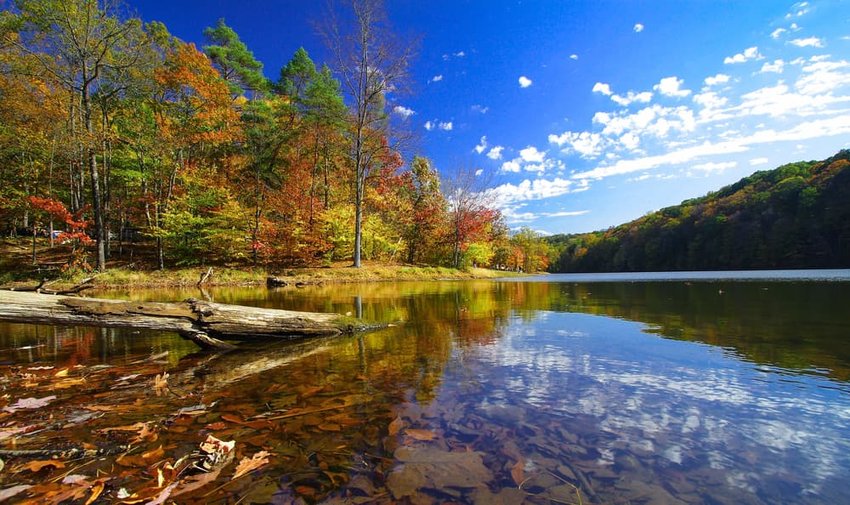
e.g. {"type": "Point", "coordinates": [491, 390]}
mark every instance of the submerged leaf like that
{"type": "Point", "coordinates": [422, 435]}
{"type": "Point", "coordinates": [518, 472]}
{"type": "Point", "coordinates": [250, 464]}
{"type": "Point", "coordinates": [395, 426]}
{"type": "Point", "coordinates": [29, 403]}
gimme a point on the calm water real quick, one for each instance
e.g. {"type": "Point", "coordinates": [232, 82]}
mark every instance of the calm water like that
{"type": "Point", "coordinates": [699, 389]}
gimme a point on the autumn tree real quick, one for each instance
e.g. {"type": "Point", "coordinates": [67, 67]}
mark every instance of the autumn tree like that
{"type": "Point", "coordinates": [471, 214]}
{"type": "Point", "coordinates": [371, 62]}
{"type": "Point", "coordinates": [80, 42]}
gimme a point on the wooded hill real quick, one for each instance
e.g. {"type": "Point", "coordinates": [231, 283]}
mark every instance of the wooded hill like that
{"type": "Point", "coordinates": [795, 216]}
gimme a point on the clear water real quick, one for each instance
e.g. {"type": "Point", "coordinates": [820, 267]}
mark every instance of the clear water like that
{"type": "Point", "coordinates": [695, 389]}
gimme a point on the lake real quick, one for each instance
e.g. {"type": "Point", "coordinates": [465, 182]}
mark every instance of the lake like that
{"type": "Point", "coordinates": [616, 388]}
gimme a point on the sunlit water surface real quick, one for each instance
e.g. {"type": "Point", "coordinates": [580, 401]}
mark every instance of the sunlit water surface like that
{"type": "Point", "coordinates": [702, 389]}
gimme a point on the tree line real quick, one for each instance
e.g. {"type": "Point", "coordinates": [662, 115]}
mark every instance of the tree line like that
{"type": "Point", "coordinates": [795, 216]}
{"type": "Point", "coordinates": [116, 137]}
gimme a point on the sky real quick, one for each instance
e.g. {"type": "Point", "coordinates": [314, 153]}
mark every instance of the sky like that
{"type": "Point", "coordinates": [581, 115]}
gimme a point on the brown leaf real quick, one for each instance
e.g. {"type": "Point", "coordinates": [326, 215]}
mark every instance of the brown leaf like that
{"type": "Point", "coordinates": [153, 455]}
{"type": "Point", "coordinates": [395, 426]}
{"type": "Point", "coordinates": [213, 445]}
{"type": "Point", "coordinates": [160, 383]}
{"type": "Point", "coordinates": [330, 427]}
{"type": "Point", "coordinates": [218, 425]}
{"type": "Point", "coordinates": [250, 464]}
{"type": "Point", "coordinates": [95, 493]}
{"type": "Point", "coordinates": [35, 466]}
{"type": "Point", "coordinates": [518, 472]}
{"type": "Point", "coordinates": [29, 403]}
{"type": "Point", "coordinates": [423, 435]}
{"type": "Point", "coordinates": [232, 418]}
{"type": "Point", "coordinates": [61, 373]}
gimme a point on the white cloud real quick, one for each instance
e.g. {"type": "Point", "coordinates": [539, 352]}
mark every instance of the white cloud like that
{"type": "Point", "coordinates": [479, 172]}
{"type": "Point", "coordinates": [716, 79]}
{"type": "Point", "coordinates": [775, 34]}
{"type": "Point", "coordinates": [445, 125]}
{"type": "Point", "coordinates": [537, 189]}
{"type": "Point", "coordinates": [524, 81]}
{"type": "Point", "coordinates": [807, 42]}
{"type": "Point", "coordinates": [495, 152]}
{"type": "Point", "coordinates": [430, 125]}
{"type": "Point", "coordinates": [573, 56]}
{"type": "Point", "coordinates": [511, 166]}
{"type": "Point", "coordinates": [586, 144]}
{"type": "Point", "coordinates": [655, 120]}
{"type": "Point", "coordinates": [601, 87]}
{"type": "Point", "coordinates": [460, 54]}
{"type": "Point", "coordinates": [404, 112]}
{"type": "Point", "coordinates": [482, 145]}
{"type": "Point", "coordinates": [436, 78]}
{"type": "Point", "coordinates": [823, 77]}
{"type": "Point", "coordinates": [531, 155]}
{"type": "Point", "coordinates": [713, 166]}
{"type": "Point", "coordinates": [819, 128]}
{"type": "Point", "coordinates": [777, 66]}
{"type": "Point", "coordinates": [750, 53]}
{"type": "Point", "coordinates": [631, 97]}
{"type": "Point", "coordinates": [480, 109]}
{"type": "Point", "coordinates": [671, 86]}
{"type": "Point", "coordinates": [638, 27]}
{"type": "Point", "coordinates": [759, 161]}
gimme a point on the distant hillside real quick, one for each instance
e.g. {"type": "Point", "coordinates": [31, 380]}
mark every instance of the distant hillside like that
{"type": "Point", "coordinates": [795, 216]}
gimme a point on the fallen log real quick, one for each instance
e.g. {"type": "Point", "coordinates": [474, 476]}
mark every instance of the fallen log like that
{"type": "Point", "coordinates": [206, 323]}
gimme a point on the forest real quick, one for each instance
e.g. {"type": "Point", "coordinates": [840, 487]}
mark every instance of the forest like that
{"type": "Point", "coordinates": [795, 216]}
{"type": "Point", "coordinates": [120, 142]}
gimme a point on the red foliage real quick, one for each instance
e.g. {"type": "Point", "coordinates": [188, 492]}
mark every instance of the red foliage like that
{"type": "Point", "coordinates": [74, 222]}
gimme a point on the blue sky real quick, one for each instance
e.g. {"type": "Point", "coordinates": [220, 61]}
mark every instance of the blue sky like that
{"type": "Point", "coordinates": [586, 114]}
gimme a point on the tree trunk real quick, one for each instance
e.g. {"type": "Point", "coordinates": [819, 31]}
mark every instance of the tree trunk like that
{"type": "Point", "coordinates": [205, 323]}
{"type": "Point", "coordinates": [91, 161]}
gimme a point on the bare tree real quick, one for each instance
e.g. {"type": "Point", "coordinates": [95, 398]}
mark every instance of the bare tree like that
{"type": "Point", "coordinates": [371, 63]}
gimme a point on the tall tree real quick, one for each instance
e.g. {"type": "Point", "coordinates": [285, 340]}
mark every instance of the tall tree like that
{"type": "Point", "coordinates": [79, 42]}
{"type": "Point", "coordinates": [371, 62]}
{"type": "Point", "coordinates": [237, 64]}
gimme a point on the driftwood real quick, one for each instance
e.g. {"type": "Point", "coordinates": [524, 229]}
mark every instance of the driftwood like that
{"type": "Point", "coordinates": [277, 282]}
{"type": "Point", "coordinates": [42, 287]}
{"type": "Point", "coordinates": [206, 323]}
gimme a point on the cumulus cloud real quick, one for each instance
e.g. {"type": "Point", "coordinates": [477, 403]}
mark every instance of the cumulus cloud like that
{"type": "Point", "coordinates": [480, 109]}
{"type": "Point", "coordinates": [585, 144]}
{"type": "Point", "coordinates": [750, 53]}
{"type": "Point", "coordinates": [758, 161]}
{"type": "Point", "coordinates": [655, 120]}
{"type": "Point", "coordinates": [482, 145]}
{"type": "Point", "coordinates": [632, 97]}
{"type": "Point", "coordinates": [807, 42]}
{"type": "Point", "coordinates": [573, 56]}
{"type": "Point", "coordinates": [638, 27]}
{"type": "Point", "coordinates": [524, 81]}
{"type": "Point", "coordinates": [716, 79]}
{"type": "Point", "coordinates": [531, 155]}
{"type": "Point", "coordinates": [671, 86]}
{"type": "Point", "coordinates": [430, 125]}
{"type": "Point", "coordinates": [402, 111]}
{"type": "Point", "coordinates": [436, 78]}
{"type": "Point", "coordinates": [445, 126]}
{"type": "Point", "coordinates": [775, 34]}
{"type": "Point", "coordinates": [776, 67]}
{"type": "Point", "coordinates": [601, 87]}
{"type": "Point", "coordinates": [511, 166]}
{"type": "Point", "coordinates": [527, 190]}
{"type": "Point", "coordinates": [495, 152]}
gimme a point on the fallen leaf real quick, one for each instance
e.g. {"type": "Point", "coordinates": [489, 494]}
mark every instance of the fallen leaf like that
{"type": "Point", "coordinates": [330, 427]}
{"type": "Point", "coordinates": [61, 373]}
{"type": "Point", "coordinates": [154, 454]}
{"type": "Point", "coordinates": [232, 418]}
{"type": "Point", "coordinates": [218, 425]}
{"type": "Point", "coordinates": [29, 403]}
{"type": "Point", "coordinates": [213, 445]}
{"type": "Point", "coordinates": [395, 426]}
{"type": "Point", "coordinates": [423, 435]}
{"type": "Point", "coordinates": [95, 493]}
{"type": "Point", "coordinates": [160, 383]}
{"type": "Point", "coordinates": [250, 464]}
{"type": "Point", "coordinates": [36, 466]}
{"type": "Point", "coordinates": [9, 492]}
{"type": "Point", "coordinates": [518, 472]}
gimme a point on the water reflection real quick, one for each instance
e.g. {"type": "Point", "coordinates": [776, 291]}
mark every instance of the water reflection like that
{"type": "Point", "coordinates": [483, 392]}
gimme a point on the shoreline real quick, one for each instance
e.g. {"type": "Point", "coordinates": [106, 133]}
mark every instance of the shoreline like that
{"type": "Point", "coordinates": [123, 278]}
